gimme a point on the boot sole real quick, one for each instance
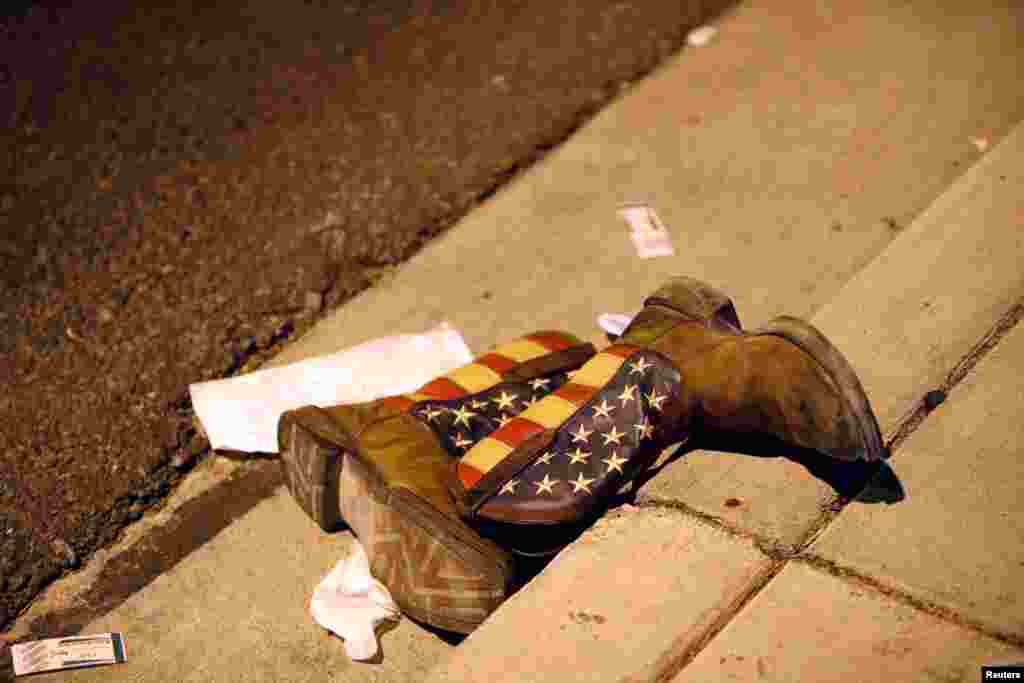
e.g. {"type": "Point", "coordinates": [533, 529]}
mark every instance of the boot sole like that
{"type": "Point", "coordinates": [437, 571]}
{"type": "Point", "coordinates": [810, 340]}
{"type": "Point", "coordinates": [312, 464]}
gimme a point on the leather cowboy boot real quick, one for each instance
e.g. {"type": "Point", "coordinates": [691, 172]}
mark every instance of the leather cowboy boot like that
{"type": "Point", "coordinates": [384, 468]}
{"type": "Point", "coordinates": [683, 363]}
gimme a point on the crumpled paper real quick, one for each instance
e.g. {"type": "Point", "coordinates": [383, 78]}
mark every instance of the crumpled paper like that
{"type": "Point", "coordinates": [350, 603]}
{"type": "Point", "coordinates": [241, 413]}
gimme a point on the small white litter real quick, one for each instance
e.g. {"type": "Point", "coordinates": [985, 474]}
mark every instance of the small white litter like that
{"type": "Point", "coordinates": [241, 413]}
{"type": "Point", "coordinates": [650, 236]}
{"type": "Point", "coordinates": [73, 652]}
{"type": "Point", "coordinates": [701, 36]}
{"type": "Point", "coordinates": [615, 323]}
{"type": "Point", "coordinates": [350, 603]}
{"type": "Point", "coordinates": [980, 143]}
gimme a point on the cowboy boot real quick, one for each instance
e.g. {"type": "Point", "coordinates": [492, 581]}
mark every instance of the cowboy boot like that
{"type": "Point", "coordinates": [683, 363]}
{"type": "Point", "coordinates": [383, 467]}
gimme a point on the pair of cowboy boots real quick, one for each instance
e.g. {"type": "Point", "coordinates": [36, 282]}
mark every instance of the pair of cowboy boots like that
{"type": "Point", "coordinates": [534, 438]}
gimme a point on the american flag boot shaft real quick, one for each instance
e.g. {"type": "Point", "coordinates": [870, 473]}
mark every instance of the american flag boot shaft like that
{"type": "Point", "coordinates": [683, 364]}
{"type": "Point", "coordinates": [310, 437]}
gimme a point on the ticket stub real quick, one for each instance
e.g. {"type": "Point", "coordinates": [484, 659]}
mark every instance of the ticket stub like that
{"type": "Point", "coordinates": [649, 234]}
{"type": "Point", "coordinates": [68, 653]}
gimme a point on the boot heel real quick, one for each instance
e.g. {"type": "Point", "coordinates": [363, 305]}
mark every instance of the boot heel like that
{"type": "Point", "coordinates": [438, 570]}
{"type": "Point", "coordinates": [311, 465]}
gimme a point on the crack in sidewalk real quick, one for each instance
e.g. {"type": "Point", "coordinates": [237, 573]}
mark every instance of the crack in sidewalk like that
{"type": "Point", "coordinates": [781, 555]}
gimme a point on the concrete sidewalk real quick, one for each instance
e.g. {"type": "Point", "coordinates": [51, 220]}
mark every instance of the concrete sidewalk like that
{"type": "Point", "coordinates": [805, 173]}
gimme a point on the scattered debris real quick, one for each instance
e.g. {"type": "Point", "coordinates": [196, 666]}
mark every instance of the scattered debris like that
{"type": "Point", "coordinates": [732, 502]}
{"type": "Point", "coordinates": [701, 36]}
{"type": "Point", "coordinates": [614, 324]}
{"type": "Point", "coordinates": [241, 413]}
{"type": "Point", "coordinates": [933, 399]}
{"type": "Point", "coordinates": [649, 234]}
{"type": "Point", "coordinates": [76, 652]}
{"type": "Point", "coordinates": [352, 604]}
{"type": "Point", "coordinates": [980, 143]}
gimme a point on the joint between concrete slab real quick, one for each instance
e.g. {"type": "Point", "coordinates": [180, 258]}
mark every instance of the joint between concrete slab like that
{"type": "Point", "coordinates": [934, 609]}
{"type": "Point", "coordinates": [910, 422]}
{"type": "Point", "coordinates": [674, 662]}
{"type": "Point", "coordinates": [671, 663]}
{"type": "Point", "coordinates": [769, 547]}
{"type": "Point", "coordinates": [914, 417]}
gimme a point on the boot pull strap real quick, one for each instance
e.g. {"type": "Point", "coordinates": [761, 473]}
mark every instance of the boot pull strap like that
{"type": "Point", "coordinates": [567, 359]}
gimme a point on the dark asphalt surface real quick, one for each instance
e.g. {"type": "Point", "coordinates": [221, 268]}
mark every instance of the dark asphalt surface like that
{"type": "Point", "coordinates": [161, 168]}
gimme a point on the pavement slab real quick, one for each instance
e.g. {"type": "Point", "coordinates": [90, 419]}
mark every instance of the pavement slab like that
{"type": "Point", "coordinates": [808, 625]}
{"type": "Point", "coordinates": [237, 609]}
{"type": "Point", "coordinates": [596, 613]}
{"type": "Point", "coordinates": [958, 538]}
{"type": "Point", "coordinates": [904, 322]}
{"type": "Point", "coordinates": [782, 156]}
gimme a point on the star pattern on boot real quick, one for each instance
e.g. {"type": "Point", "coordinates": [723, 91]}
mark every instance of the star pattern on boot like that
{"type": "Point", "coordinates": [614, 436]}
{"type": "Point", "coordinates": [432, 413]}
{"type": "Point", "coordinates": [614, 462]}
{"type": "Point", "coordinates": [599, 439]}
{"type": "Point", "coordinates": [641, 366]}
{"type": "Point", "coordinates": [462, 416]}
{"type": "Point", "coordinates": [460, 423]}
{"type": "Point", "coordinates": [578, 457]}
{"type": "Point", "coordinates": [546, 485]}
{"type": "Point", "coordinates": [644, 429]}
{"type": "Point", "coordinates": [582, 435]}
{"type": "Point", "coordinates": [654, 400]}
{"type": "Point", "coordinates": [603, 410]}
{"type": "Point", "coordinates": [581, 484]}
{"type": "Point", "coordinates": [505, 401]}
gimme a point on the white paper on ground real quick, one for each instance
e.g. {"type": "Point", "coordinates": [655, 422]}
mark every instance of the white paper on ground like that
{"type": "Point", "coordinates": [650, 236]}
{"type": "Point", "coordinates": [351, 603]}
{"type": "Point", "coordinates": [241, 413]}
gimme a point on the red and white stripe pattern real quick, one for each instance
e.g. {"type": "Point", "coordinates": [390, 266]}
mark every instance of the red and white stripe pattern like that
{"type": "Point", "coordinates": [549, 412]}
{"type": "Point", "coordinates": [486, 371]}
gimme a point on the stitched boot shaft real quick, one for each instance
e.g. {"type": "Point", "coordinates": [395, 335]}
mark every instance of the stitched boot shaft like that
{"type": "Point", "coordinates": [682, 364]}
{"type": "Point", "coordinates": [389, 430]}
{"type": "Point", "coordinates": [384, 468]}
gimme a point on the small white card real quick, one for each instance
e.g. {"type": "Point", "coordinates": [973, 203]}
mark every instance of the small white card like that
{"type": "Point", "coordinates": [649, 234]}
{"type": "Point", "coordinates": [68, 653]}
